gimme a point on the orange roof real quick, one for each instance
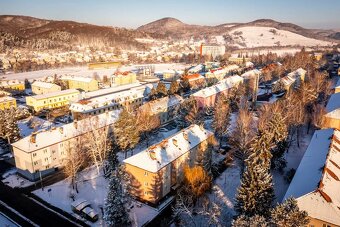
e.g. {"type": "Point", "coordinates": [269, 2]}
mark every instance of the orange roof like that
{"type": "Point", "coordinates": [192, 76]}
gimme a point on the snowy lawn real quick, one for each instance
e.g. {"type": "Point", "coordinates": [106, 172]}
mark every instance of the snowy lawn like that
{"type": "Point", "coordinates": [92, 187]}
{"type": "Point", "coordinates": [293, 158]}
{"type": "Point", "coordinates": [12, 179]}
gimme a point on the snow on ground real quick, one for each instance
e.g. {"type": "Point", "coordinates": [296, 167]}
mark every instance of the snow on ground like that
{"type": "Point", "coordinates": [12, 179]}
{"type": "Point", "coordinates": [262, 36]}
{"type": "Point", "coordinates": [6, 221]}
{"type": "Point", "coordinates": [293, 158]}
{"type": "Point", "coordinates": [92, 187]}
{"type": "Point", "coordinates": [83, 71]}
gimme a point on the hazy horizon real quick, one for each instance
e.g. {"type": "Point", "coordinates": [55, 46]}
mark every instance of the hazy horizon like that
{"type": "Point", "coordinates": [133, 13]}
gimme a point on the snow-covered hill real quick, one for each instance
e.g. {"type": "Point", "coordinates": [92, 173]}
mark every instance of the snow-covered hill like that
{"type": "Point", "coordinates": [252, 36]}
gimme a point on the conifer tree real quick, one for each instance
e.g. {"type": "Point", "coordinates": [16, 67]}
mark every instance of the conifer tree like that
{"type": "Point", "coordinates": [254, 221]}
{"type": "Point", "coordinates": [174, 88]}
{"type": "Point", "coordinates": [115, 211]}
{"type": "Point", "coordinates": [161, 90]}
{"type": "Point", "coordinates": [288, 214]}
{"type": "Point", "coordinates": [125, 131]}
{"type": "Point", "coordinates": [256, 193]}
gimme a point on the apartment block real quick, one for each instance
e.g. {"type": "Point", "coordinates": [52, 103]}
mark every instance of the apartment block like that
{"type": "Point", "coordinates": [40, 87]}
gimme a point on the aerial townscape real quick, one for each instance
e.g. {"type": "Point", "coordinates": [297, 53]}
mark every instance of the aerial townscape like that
{"type": "Point", "coordinates": [111, 116]}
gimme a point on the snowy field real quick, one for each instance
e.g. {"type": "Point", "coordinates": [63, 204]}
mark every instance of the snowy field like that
{"type": "Point", "coordinates": [84, 71]}
{"type": "Point", "coordinates": [262, 36]}
{"type": "Point", "coordinates": [92, 187]}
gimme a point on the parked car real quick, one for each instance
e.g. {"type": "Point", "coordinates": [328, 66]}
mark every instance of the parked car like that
{"type": "Point", "coordinates": [83, 208]}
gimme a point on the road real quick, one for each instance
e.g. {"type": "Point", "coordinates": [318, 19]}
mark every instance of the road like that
{"type": "Point", "coordinates": [33, 211]}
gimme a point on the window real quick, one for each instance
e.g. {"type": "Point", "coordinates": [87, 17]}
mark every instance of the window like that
{"type": "Point", "coordinates": [35, 163]}
{"type": "Point", "coordinates": [46, 159]}
{"type": "Point", "coordinates": [146, 183]}
{"type": "Point", "coordinates": [34, 154]}
{"type": "Point", "coordinates": [146, 193]}
{"type": "Point", "coordinates": [45, 151]}
{"type": "Point", "coordinates": [145, 173]}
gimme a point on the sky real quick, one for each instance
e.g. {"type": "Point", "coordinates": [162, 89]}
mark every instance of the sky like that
{"type": "Point", "coordinates": [134, 13]}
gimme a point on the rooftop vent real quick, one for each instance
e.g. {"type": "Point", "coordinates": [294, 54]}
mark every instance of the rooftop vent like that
{"type": "Point", "coordinates": [152, 154]}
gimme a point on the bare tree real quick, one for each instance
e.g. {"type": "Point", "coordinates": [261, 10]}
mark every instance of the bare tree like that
{"type": "Point", "coordinates": [317, 116]}
{"type": "Point", "coordinates": [74, 161]}
{"type": "Point", "coordinates": [221, 117]}
{"type": "Point", "coordinates": [146, 123]}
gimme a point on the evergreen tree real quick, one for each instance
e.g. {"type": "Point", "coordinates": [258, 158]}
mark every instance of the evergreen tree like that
{"type": "Point", "coordinates": [256, 193]}
{"type": "Point", "coordinates": [174, 88]}
{"type": "Point", "coordinates": [125, 132]}
{"type": "Point", "coordinates": [115, 211]}
{"type": "Point", "coordinates": [161, 90]}
{"type": "Point", "coordinates": [153, 94]}
{"type": "Point", "coordinates": [10, 127]}
{"type": "Point", "coordinates": [288, 214]}
{"type": "Point", "coordinates": [27, 84]}
{"type": "Point", "coordinates": [254, 221]}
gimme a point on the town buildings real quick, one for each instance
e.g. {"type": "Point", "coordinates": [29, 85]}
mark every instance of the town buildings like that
{"type": "Point", "coordinates": [104, 65]}
{"type": "Point", "coordinates": [316, 184]}
{"type": "Point", "coordinates": [165, 108]}
{"type": "Point", "coordinates": [218, 74]}
{"type": "Point", "coordinates": [293, 79]}
{"type": "Point", "coordinates": [195, 81]}
{"type": "Point", "coordinates": [52, 100]}
{"type": "Point", "coordinates": [212, 50]}
{"type": "Point", "coordinates": [122, 78]}
{"type": "Point", "coordinates": [156, 170]}
{"type": "Point", "coordinates": [332, 117]}
{"type": "Point", "coordinates": [45, 151]}
{"type": "Point", "coordinates": [130, 99]}
{"type": "Point", "coordinates": [40, 87]}
{"type": "Point", "coordinates": [171, 74]}
{"type": "Point", "coordinates": [13, 85]}
{"type": "Point", "coordinates": [208, 96]}
{"type": "Point", "coordinates": [7, 102]}
{"type": "Point", "coordinates": [81, 83]}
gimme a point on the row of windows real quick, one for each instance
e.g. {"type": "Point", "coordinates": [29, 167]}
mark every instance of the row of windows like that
{"type": "Point", "coordinates": [58, 99]}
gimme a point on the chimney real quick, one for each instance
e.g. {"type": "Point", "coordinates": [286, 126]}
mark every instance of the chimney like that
{"type": "Point", "coordinates": [33, 138]}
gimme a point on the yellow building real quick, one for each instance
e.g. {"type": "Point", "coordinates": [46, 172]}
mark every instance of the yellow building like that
{"type": "Point", "coordinates": [7, 102]}
{"type": "Point", "coordinates": [332, 117]}
{"type": "Point", "coordinates": [157, 170]}
{"type": "Point", "coordinates": [123, 78]}
{"type": "Point", "coordinates": [82, 83]}
{"type": "Point", "coordinates": [238, 60]}
{"type": "Point", "coordinates": [13, 84]}
{"type": "Point", "coordinates": [104, 65]}
{"type": "Point", "coordinates": [39, 87]}
{"type": "Point", "coordinates": [52, 100]}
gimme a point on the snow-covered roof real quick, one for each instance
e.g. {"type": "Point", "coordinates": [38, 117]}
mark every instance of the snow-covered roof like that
{"type": "Point", "coordinates": [333, 106]}
{"type": "Point", "coordinates": [297, 73]}
{"type": "Point", "coordinates": [43, 84]}
{"type": "Point", "coordinates": [106, 100]}
{"type": "Point", "coordinates": [6, 83]}
{"type": "Point", "coordinates": [316, 184]}
{"type": "Point", "coordinates": [112, 90]}
{"type": "Point", "coordinates": [6, 98]}
{"type": "Point", "coordinates": [251, 73]}
{"type": "Point", "coordinates": [55, 94]}
{"type": "Point", "coordinates": [159, 155]}
{"type": "Point", "coordinates": [162, 104]}
{"type": "Point", "coordinates": [77, 78]}
{"type": "Point", "coordinates": [223, 85]}
{"type": "Point", "coordinates": [65, 132]}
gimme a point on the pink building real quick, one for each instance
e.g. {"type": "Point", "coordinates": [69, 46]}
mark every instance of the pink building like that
{"type": "Point", "coordinates": [208, 96]}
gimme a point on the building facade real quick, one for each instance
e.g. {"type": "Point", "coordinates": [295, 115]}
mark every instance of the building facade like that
{"type": "Point", "coordinates": [332, 117]}
{"type": "Point", "coordinates": [104, 65]}
{"type": "Point", "coordinates": [157, 170]}
{"type": "Point", "coordinates": [212, 50]}
{"type": "Point", "coordinates": [165, 108]}
{"type": "Point", "coordinates": [13, 85]}
{"type": "Point", "coordinates": [81, 83]}
{"type": "Point", "coordinates": [44, 152]}
{"type": "Point", "coordinates": [122, 78]}
{"type": "Point", "coordinates": [52, 100]}
{"type": "Point", "coordinates": [7, 102]}
{"type": "Point", "coordinates": [39, 87]}
{"type": "Point", "coordinates": [207, 97]}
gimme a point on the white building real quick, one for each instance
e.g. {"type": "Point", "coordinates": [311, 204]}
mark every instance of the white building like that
{"type": "Point", "coordinates": [214, 50]}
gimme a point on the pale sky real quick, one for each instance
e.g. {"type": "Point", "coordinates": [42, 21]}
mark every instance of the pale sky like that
{"type": "Point", "coordinates": [134, 13]}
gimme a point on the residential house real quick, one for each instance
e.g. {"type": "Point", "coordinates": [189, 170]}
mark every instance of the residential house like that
{"type": "Point", "coordinates": [43, 152]}
{"type": "Point", "coordinates": [165, 108]}
{"type": "Point", "coordinates": [6, 102]}
{"type": "Point", "coordinates": [52, 100]}
{"type": "Point", "coordinates": [81, 83]}
{"type": "Point", "coordinates": [332, 117]}
{"type": "Point", "coordinates": [207, 97]}
{"type": "Point", "coordinates": [13, 85]}
{"type": "Point", "coordinates": [40, 87]}
{"type": "Point", "coordinates": [130, 99]}
{"type": "Point", "coordinates": [316, 184]}
{"type": "Point", "coordinates": [215, 75]}
{"type": "Point", "coordinates": [158, 169]}
{"type": "Point", "coordinates": [195, 81]}
{"type": "Point", "coordinates": [293, 79]}
{"type": "Point", "coordinates": [122, 78]}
